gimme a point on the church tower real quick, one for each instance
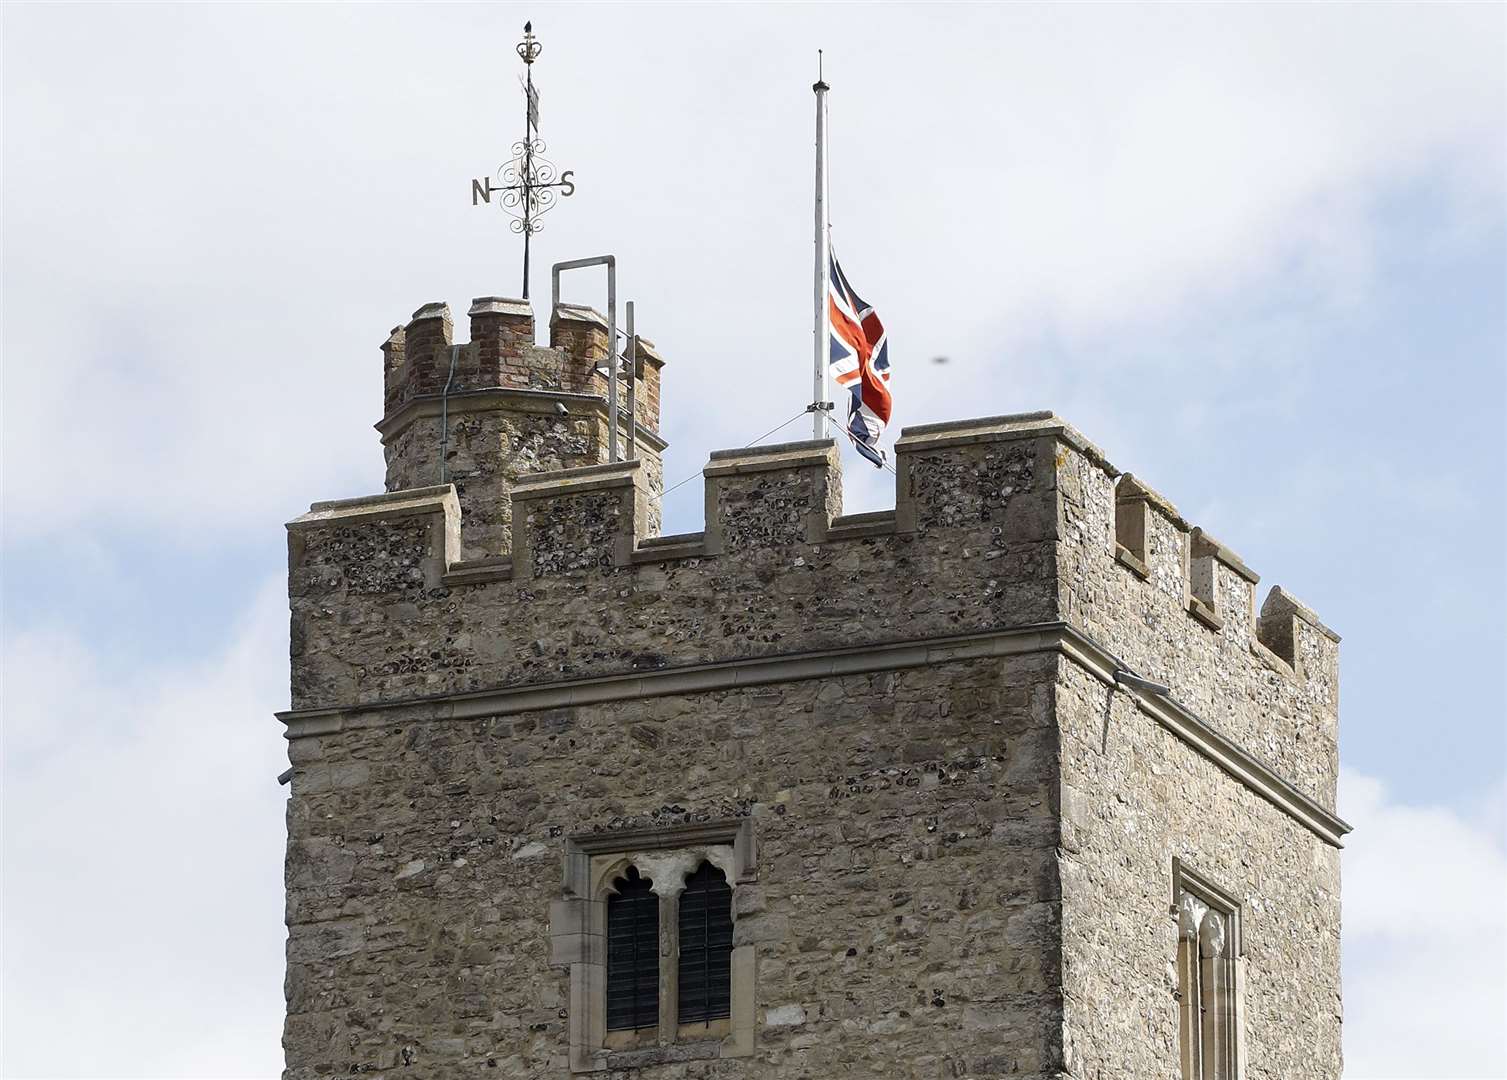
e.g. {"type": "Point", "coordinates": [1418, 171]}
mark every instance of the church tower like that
{"type": "Point", "coordinates": [1014, 779]}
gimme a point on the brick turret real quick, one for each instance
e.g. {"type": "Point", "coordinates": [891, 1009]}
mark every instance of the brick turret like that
{"type": "Point", "coordinates": [483, 413]}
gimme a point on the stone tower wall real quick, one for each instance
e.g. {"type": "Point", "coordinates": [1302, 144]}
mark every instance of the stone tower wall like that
{"type": "Point", "coordinates": [1165, 599]}
{"type": "Point", "coordinates": [904, 909]}
{"type": "Point", "coordinates": [1133, 798]}
{"type": "Point", "coordinates": [915, 707]}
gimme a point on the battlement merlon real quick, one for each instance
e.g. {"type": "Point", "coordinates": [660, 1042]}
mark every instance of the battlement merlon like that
{"type": "Point", "coordinates": [1001, 524]}
{"type": "Point", "coordinates": [420, 359]}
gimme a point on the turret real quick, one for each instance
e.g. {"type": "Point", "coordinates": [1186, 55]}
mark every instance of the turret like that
{"type": "Point", "coordinates": [481, 414]}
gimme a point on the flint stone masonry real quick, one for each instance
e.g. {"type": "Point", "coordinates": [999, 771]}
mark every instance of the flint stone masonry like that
{"type": "Point", "coordinates": [965, 827]}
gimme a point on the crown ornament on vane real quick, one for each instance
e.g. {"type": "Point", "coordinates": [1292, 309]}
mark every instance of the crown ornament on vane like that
{"type": "Point", "coordinates": [528, 184]}
{"type": "Point", "coordinates": [529, 48]}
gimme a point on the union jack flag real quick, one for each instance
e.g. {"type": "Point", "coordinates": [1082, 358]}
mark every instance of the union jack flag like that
{"type": "Point", "coordinates": [859, 362]}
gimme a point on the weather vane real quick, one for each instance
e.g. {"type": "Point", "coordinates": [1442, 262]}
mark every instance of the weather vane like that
{"type": "Point", "coordinates": [529, 184]}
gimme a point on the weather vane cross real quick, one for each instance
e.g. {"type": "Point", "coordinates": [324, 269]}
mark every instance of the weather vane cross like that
{"type": "Point", "coordinates": [529, 184]}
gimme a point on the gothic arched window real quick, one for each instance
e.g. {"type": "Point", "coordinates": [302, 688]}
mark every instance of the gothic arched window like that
{"type": "Point", "coordinates": [1208, 974]}
{"type": "Point", "coordinates": [706, 947]}
{"type": "Point", "coordinates": [632, 954]}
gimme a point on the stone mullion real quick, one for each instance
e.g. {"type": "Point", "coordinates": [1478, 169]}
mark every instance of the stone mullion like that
{"type": "Point", "coordinates": [1190, 915]}
{"type": "Point", "coordinates": [1216, 996]}
{"type": "Point", "coordinates": [1236, 1001]}
{"type": "Point", "coordinates": [1214, 1032]}
{"type": "Point", "coordinates": [669, 962]}
{"type": "Point", "coordinates": [1189, 1028]}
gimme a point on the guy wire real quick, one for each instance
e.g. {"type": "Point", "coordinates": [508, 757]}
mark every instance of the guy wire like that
{"type": "Point", "coordinates": [749, 443]}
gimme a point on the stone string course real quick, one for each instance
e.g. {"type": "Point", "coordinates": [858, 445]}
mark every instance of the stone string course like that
{"type": "Point", "coordinates": [964, 867]}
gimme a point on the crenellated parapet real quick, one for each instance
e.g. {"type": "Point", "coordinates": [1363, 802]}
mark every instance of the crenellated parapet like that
{"type": "Point", "coordinates": [482, 413]}
{"type": "Point", "coordinates": [1180, 607]}
{"type": "Point", "coordinates": [1012, 523]}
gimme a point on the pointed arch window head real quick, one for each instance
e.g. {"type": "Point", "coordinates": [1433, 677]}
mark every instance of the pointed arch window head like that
{"type": "Point", "coordinates": [621, 930]}
{"type": "Point", "coordinates": [632, 953]}
{"type": "Point", "coordinates": [704, 982]}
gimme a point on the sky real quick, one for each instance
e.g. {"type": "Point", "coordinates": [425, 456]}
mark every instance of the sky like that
{"type": "Point", "coordinates": [1256, 253]}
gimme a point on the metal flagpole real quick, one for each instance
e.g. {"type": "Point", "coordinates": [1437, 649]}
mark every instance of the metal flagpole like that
{"type": "Point", "coordinates": [822, 330]}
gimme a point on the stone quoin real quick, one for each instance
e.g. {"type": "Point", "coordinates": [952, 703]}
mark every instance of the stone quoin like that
{"type": "Point", "coordinates": [917, 756]}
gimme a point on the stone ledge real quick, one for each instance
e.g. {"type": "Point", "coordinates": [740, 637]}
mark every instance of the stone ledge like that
{"type": "Point", "coordinates": [489, 398]}
{"type": "Point", "coordinates": [701, 1050]}
{"type": "Point", "coordinates": [1204, 614]}
{"type": "Point", "coordinates": [671, 540]}
{"type": "Point", "coordinates": [674, 546]}
{"type": "Point", "coordinates": [688, 549]}
{"type": "Point", "coordinates": [1127, 559]}
{"type": "Point", "coordinates": [479, 571]}
{"type": "Point", "coordinates": [862, 526]}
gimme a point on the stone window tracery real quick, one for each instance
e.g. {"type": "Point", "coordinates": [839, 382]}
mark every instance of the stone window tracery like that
{"type": "Point", "coordinates": [1209, 979]}
{"type": "Point", "coordinates": [646, 929]}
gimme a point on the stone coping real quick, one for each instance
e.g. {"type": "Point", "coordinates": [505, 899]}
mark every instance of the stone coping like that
{"type": "Point", "coordinates": [862, 526]}
{"type": "Point", "coordinates": [1280, 596]}
{"type": "Point", "coordinates": [752, 459]}
{"type": "Point", "coordinates": [489, 398]}
{"type": "Point", "coordinates": [389, 504]}
{"type": "Point", "coordinates": [1132, 489]}
{"type": "Point", "coordinates": [579, 313]}
{"type": "Point", "coordinates": [500, 305]}
{"type": "Point", "coordinates": [1060, 637]}
{"type": "Point", "coordinates": [435, 309]}
{"type": "Point", "coordinates": [1027, 425]}
{"type": "Point", "coordinates": [647, 350]}
{"type": "Point", "coordinates": [1203, 544]}
{"type": "Point", "coordinates": [583, 478]}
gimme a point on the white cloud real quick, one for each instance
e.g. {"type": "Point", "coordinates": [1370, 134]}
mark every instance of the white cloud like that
{"type": "Point", "coordinates": [213, 214]}
{"type": "Point", "coordinates": [1425, 938]}
{"type": "Point", "coordinates": [208, 233]}
{"type": "Point", "coordinates": [143, 852]}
